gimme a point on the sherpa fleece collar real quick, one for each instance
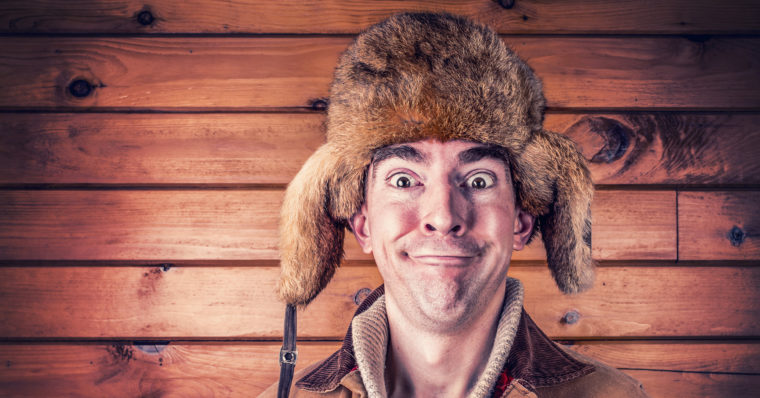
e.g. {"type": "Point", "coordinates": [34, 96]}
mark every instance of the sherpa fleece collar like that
{"type": "Point", "coordinates": [530, 357]}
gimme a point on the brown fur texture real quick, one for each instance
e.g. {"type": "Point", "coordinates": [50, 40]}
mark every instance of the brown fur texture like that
{"type": "Point", "coordinates": [417, 76]}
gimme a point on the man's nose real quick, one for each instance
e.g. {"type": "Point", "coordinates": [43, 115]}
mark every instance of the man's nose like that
{"type": "Point", "coordinates": [443, 211]}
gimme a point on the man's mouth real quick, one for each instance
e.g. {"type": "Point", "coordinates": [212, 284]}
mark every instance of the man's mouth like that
{"type": "Point", "coordinates": [455, 253]}
{"type": "Point", "coordinates": [443, 259]}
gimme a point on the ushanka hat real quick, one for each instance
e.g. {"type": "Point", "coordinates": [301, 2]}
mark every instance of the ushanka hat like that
{"type": "Point", "coordinates": [418, 76]}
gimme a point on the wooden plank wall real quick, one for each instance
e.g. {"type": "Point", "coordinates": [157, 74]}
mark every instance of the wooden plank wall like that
{"type": "Point", "coordinates": [145, 146]}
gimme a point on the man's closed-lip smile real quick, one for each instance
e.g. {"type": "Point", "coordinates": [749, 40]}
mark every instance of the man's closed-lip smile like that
{"type": "Point", "coordinates": [442, 259]}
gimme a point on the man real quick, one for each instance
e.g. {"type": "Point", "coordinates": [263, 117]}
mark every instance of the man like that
{"type": "Point", "coordinates": [437, 161]}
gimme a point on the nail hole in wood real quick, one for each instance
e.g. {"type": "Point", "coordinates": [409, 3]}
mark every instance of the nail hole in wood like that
{"type": "Point", "coordinates": [736, 235]}
{"type": "Point", "coordinates": [319, 104]}
{"type": "Point", "coordinates": [361, 295]}
{"type": "Point", "coordinates": [571, 317]}
{"type": "Point", "coordinates": [145, 18]}
{"type": "Point", "coordinates": [80, 88]}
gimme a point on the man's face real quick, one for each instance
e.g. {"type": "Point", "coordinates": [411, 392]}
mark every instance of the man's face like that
{"type": "Point", "coordinates": [441, 221]}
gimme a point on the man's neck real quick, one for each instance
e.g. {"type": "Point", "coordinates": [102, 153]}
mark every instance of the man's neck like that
{"type": "Point", "coordinates": [423, 363]}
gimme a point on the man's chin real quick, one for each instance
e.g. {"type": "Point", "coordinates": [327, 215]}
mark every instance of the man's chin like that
{"type": "Point", "coordinates": [445, 309]}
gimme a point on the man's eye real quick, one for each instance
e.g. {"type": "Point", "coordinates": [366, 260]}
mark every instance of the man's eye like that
{"type": "Point", "coordinates": [402, 180]}
{"type": "Point", "coordinates": [479, 181]}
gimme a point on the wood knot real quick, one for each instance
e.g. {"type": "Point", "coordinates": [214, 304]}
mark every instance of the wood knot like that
{"type": "Point", "coordinates": [320, 104]}
{"type": "Point", "coordinates": [120, 352]}
{"type": "Point", "coordinates": [80, 88]}
{"type": "Point", "coordinates": [507, 4]}
{"type": "Point", "coordinates": [361, 294]}
{"type": "Point", "coordinates": [736, 236]}
{"type": "Point", "coordinates": [145, 18]}
{"type": "Point", "coordinates": [616, 139]}
{"type": "Point", "coordinates": [571, 317]}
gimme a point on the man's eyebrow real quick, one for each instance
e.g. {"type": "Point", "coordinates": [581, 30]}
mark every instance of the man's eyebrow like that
{"type": "Point", "coordinates": [479, 152]}
{"type": "Point", "coordinates": [404, 152]}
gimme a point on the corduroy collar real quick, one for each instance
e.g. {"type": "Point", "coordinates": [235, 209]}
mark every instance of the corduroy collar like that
{"type": "Point", "coordinates": [534, 360]}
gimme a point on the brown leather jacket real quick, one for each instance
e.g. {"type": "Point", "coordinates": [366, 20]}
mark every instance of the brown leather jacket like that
{"type": "Point", "coordinates": [540, 368]}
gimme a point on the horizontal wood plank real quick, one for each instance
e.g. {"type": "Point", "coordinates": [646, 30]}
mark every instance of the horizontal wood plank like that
{"type": "Point", "coordinates": [239, 302]}
{"type": "Point", "coordinates": [244, 369]}
{"type": "Point", "coordinates": [719, 225]}
{"type": "Point", "coordinates": [269, 148]}
{"type": "Point", "coordinates": [345, 16]}
{"type": "Point", "coordinates": [141, 224]}
{"type": "Point", "coordinates": [676, 355]}
{"type": "Point", "coordinates": [116, 148]}
{"type": "Point", "coordinates": [253, 73]}
{"type": "Point", "coordinates": [242, 225]}
{"type": "Point", "coordinates": [667, 308]}
{"type": "Point", "coordinates": [697, 385]}
{"type": "Point", "coordinates": [111, 370]}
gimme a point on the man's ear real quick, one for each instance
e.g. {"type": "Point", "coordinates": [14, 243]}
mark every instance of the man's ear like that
{"type": "Point", "coordinates": [523, 228]}
{"type": "Point", "coordinates": [360, 228]}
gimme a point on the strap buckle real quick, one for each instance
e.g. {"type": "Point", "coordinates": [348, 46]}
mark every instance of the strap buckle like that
{"type": "Point", "coordinates": [288, 356]}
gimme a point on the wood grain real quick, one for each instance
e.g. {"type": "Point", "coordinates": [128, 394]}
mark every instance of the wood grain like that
{"type": "Point", "coordinates": [697, 385]}
{"type": "Point", "coordinates": [225, 224]}
{"type": "Point", "coordinates": [665, 147]}
{"type": "Point", "coordinates": [139, 224]}
{"type": "Point", "coordinates": [112, 370]}
{"type": "Point", "coordinates": [676, 355]}
{"type": "Point", "coordinates": [237, 369]}
{"type": "Point", "coordinates": [344, 16]}
{"type": "Point", "coordinates": [719, 225]}
{"type": "Point", "coordinates": [617, 214]}
{"type": "Point", "coordinates": [138, 303]}
{"type": "Point", "coordinates": [269, 148]}
{"type": "Point", "coordinates": [114, 148]}
{"type": "Point", "coordinates": [266, 72]}
{"type": "Point", "coordinates": [648, 301]}
{"type": "Point", "coordinates": [651, 73]}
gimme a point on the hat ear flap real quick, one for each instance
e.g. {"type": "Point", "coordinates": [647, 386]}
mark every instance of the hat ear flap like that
{"type": "Point", "coordinates": [556, 185]}
{"type": "Point", "coordinates": [311, 240]}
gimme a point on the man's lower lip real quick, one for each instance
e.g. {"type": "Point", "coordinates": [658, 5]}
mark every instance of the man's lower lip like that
{"type": "Point", "coordinates": [442, 260]}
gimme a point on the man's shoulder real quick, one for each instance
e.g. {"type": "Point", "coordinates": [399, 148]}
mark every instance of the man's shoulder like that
{"type": "Point", "coordinates": [555, 371]}
{"type": "Point", "coordinates": [604, 381]}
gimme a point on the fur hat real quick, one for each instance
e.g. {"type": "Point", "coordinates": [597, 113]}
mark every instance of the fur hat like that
{"type": "Point", "coordinates": [416, 76]}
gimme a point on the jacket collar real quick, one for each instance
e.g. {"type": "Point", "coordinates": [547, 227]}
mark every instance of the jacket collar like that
{"type": "Point", "coordinates": [534, 360]}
